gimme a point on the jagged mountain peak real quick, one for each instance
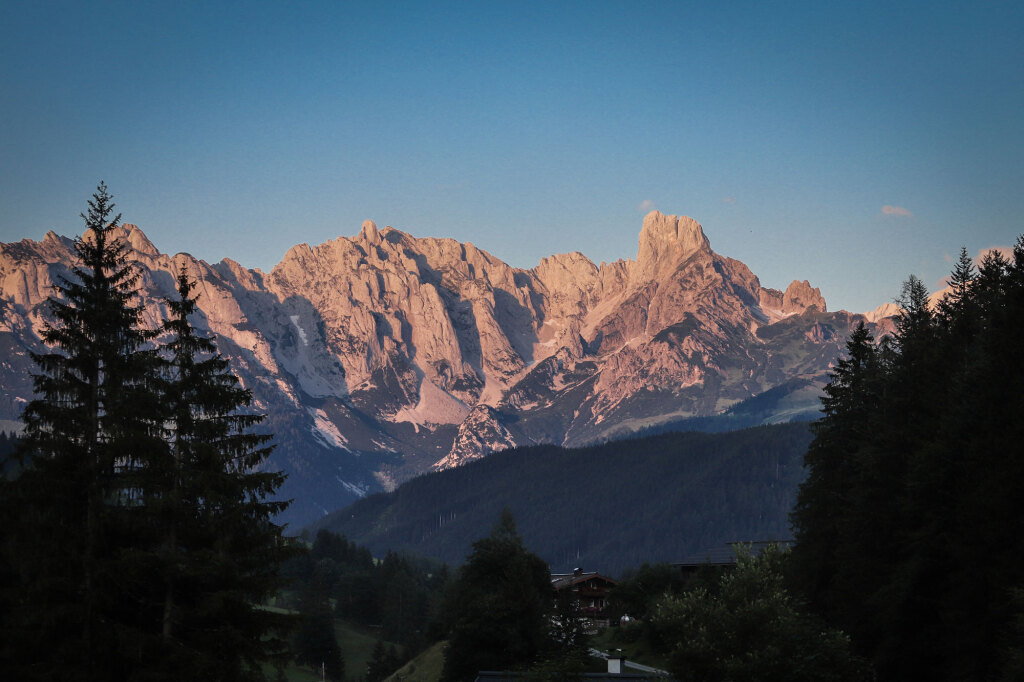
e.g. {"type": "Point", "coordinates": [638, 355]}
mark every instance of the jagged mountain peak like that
{"type": "Point", "coordinates": [480, 434]}
{"type": "Point", "coordinates": [683, 229]}
{"type": "Point", "coordinates": [54, 240]}
{"type": "Point", "coordinates": [380, 355]}
{"type": "Point", "coordinates": [881, 312]}
{"type": "Point", "coordinates": [567, 272]}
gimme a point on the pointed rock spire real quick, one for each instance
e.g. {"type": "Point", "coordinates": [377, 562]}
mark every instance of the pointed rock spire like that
{"type": "Point", "coordinates": [666, 240]}
{"type": "Point", "coordinates": [369, 232]}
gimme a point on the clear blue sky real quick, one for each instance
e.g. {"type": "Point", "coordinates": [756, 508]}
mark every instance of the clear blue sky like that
{"type": "Point", "coordinates": [241, 128]}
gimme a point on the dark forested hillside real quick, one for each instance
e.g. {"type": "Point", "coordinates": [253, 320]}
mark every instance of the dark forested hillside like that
{"type": "Point", "coordinates": [604, 507]}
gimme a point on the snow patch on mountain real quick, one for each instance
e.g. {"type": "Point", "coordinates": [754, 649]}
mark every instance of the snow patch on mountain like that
{"type": "Point", "coordinates": [284, 388]}
{"type": "Point", "coordinates": [298, 327]}
{"type": "Point", "coordinates": [325, 431]}
{"type": "Point", "coordinates": [357, 490]}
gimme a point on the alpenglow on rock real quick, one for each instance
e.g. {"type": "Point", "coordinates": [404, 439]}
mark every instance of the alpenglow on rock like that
{"type": "Point", "coordinates": [383, 355]}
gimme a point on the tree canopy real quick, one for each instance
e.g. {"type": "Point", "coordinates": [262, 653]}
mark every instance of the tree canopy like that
{"type": "Point", "coordinates": [138, 537]}
{"type": "Point", "coordinates": [748, 627]}
{"type": "Point", "coordinates": [499, 606]}
{"type": "Point", "coordinates": [909, 526]}
{"type": "Point", "coordinates": [218, 547]}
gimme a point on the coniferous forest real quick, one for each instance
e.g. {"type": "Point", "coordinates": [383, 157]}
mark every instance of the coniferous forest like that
{"type": "Point", "coordinates": [138, 531]}
{"type": "Point", "coordinates": [909, 526]}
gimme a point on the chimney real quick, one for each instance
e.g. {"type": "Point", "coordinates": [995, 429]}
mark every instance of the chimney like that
{"type": "Point", "coordinates": [616, 664]}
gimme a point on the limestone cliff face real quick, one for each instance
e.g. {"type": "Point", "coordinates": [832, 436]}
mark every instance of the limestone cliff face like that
{"type": "Point", "coordinates": [381, 355]}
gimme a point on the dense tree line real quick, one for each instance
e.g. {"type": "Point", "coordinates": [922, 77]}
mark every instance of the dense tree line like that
{"type": "Point", "coordinates": [638, 590]}
{"type": "Point", "coordinates": [397, 596]}
{"type": "Point", "coordinates": [138, 535]}
{"type": "Point", "coordinates": [617, 504]}
{"type": "Point", "coordinates": [384, 661]}
{"type": "Point", "coordinates": [497, 612]}
{"type": "Point", "coordinates": [909, 527]}
{"type": "Point", "coordinates": [316, 642]}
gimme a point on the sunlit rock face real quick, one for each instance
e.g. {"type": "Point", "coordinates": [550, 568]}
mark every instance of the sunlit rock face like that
{"type": "Point", "coordinates": [383, 355]}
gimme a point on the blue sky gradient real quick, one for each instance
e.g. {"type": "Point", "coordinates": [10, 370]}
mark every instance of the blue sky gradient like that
{"type": "Point", "coordinates": [241, 128]}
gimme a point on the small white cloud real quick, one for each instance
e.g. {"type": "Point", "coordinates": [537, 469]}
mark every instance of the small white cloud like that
{"type": "Point", "coordinates": [646, 206]}
{"type": "Point", "coordinates": [897, 211]}
{"type": "Point", "coordinates": [729, 200]}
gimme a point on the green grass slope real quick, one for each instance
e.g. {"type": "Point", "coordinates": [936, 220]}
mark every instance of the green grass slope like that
{"type": "Point", "coordinates": [426, 667]}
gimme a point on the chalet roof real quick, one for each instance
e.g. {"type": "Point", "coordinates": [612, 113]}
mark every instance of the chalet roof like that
{"type": "Point", "coordinates": [725, 555]}
{"type": "Point", "coordinates": [562, 580]}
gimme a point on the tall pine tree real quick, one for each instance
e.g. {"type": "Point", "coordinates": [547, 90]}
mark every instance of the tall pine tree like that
{"type": "Point", "coordinates": [827, 518]}
{"type": "Point", "coordinates": [220, 548]}
{"type": "Point", "coordinates": [93, 427]}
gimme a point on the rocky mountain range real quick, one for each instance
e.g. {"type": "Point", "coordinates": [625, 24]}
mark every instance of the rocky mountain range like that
{"type": "Point", "coordinates": [381, 356]}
